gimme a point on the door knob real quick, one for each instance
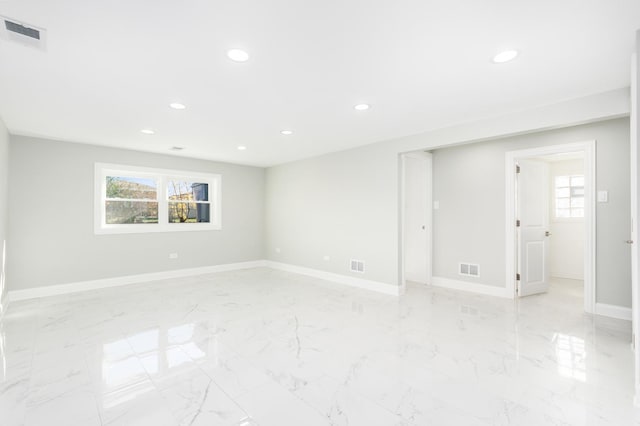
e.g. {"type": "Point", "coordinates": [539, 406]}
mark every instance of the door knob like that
{"type": "Point", "coordinates": [629, 241]}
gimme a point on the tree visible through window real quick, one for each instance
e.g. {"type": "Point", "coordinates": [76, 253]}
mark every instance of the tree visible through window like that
{"type": "Point", "coordinates": [569, 196]}
{"type": "Point", "coordinates": [188, 201]}
{"type": "Point", "coordinates": [140, 199]}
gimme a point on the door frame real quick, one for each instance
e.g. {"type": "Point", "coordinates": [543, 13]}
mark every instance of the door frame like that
{"type": "Point", "coordinates": [422, 155]}
{"type": "Point", "coordinates": [588, 148]}
{"type": "Point", "coordinates": [635, 210]}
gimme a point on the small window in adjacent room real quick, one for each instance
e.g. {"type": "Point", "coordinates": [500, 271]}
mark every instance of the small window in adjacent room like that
{"type": "Point", "coordinates": [569, 196]}
{"type": "Point", "coordinates": [136, 199]}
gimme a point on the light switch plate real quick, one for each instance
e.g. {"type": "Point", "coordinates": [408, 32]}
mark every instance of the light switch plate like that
{"type": "Point", "coordinates": [436, 205]}
{"type": "Point", "coordinates": [603, 196]}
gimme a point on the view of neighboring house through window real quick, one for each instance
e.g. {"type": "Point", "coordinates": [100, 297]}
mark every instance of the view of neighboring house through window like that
{"type": "Point", "coordinates": [569, 196]}
{"type": "Point", "coordinates": [136, 199]}
{"type": "Point", "coordinates": [188, 201]}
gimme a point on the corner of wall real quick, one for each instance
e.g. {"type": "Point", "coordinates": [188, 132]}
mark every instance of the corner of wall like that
{"type": "Point", "coordinates": [4, 212]}
{"type": "Point", "coordinates": [4, 305]}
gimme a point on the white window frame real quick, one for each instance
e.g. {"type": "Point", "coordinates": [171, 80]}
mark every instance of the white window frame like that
{"type": "Point", "coordinates": [162, 176]}
{"type": "Point", "coordinates": [555, 217]}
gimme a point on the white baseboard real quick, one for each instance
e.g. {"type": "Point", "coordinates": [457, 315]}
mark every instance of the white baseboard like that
{"type": "Point", "coordinates": [59, 289]}
{"type": "Point", "coordinates": [488, 290]}
{"type": "Point", "coordinates": [568, 276]}
{"type": "Point", "coordinates": [377, 286]}
{"type": "Point", "coordinates": [54, 290]}
{"type": "Point", "coordinates": [603, 309]}
{"type": "Point", "coordinates": [614, 311]}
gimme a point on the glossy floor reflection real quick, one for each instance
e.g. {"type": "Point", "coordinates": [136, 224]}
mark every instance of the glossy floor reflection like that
{"type": "Point", "coordinates": [264, 347]}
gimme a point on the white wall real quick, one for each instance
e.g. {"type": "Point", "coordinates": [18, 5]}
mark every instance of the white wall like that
{"type": "Point", "coordinates": [470, 224]}
{"type": "Point", "coordinates": [566, 244]}
{"type": "Point", "coordinates": [4, 206]}
{"type": "Point", "coordinates": [340, 205]}
{"type": "Point", "coordinates": [51, 214]}
{"type": "Point", "coordinates": [345, 205]}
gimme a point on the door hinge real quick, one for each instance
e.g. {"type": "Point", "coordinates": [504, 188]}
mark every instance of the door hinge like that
{"type": "Point", "coordinates": [517, 223]}
{"type": "Point", "coordinates": [517, 168]}
{"type": "Point", "coordinates": [517, 277]}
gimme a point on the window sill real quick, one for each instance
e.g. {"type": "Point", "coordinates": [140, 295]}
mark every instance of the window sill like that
{"type": "Point", "coordinates": [145, 229]}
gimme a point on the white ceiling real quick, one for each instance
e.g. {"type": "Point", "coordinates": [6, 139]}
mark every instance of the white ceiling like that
{"type": "Point", "coordinates": [112, 67]}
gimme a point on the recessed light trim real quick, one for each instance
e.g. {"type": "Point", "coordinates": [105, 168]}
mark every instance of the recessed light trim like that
{"type": "Point", "coordinates": [286, 132]}
{"type": "Point", "coordinates": [505, 56]}
{"type": "Point", "coordinates": [238, 55]}
{"type": "Point", "coordinates": [147, 132]}
{"type": "Point", "coordinates": [177, 105]}
{"type": "Point", "coordinates": [362, 107]}
{"type": "Point", "coordinates": [242, 148]}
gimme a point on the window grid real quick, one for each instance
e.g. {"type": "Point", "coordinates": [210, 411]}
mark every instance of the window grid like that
{"type": "Point", "coordinates": [139, 200]}
{"type": "Point", "coordinates": [569, 196]}
{"type": "Point", "coordinates": [188, 201]}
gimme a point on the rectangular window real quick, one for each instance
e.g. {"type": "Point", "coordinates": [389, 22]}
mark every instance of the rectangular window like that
{"type": "Point", "coordinates": [188, 201]}
{"type": "Point", "coordinates": [569, 196]}
{"type": "Point", "coordinates": [131, 199]}
{"type": "Point", "coordinates": [137, 199]}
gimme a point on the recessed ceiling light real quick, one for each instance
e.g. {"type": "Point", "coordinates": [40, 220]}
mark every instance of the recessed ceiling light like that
{"type": "Point", "coordinates": [238, 55]}
{"type": "Point", "coordinates": [286, 132]}
{"type": "Point", "coordinates": [242, 148]}
{"type": "Point", "coordinates": [362, 107]}
{"type": "Point", "coordinates": [147, 132]}
{"type": "Point", "coordinates": [505, 56]}
{"type": "Point", "coordinates": [177, 105]}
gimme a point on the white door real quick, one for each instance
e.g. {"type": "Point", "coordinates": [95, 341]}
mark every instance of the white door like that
{"type": "Point", "coordinates": [417, 217]}
{"type": "Point", "coordinates": [533, 213]}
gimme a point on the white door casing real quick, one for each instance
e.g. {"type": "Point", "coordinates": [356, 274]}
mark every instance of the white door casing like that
{"type": "Point", "coordinates": [533, 214]}
{"type": "Point", "coordinates": [588, 148]}
{"type": "Point", "coordinates": [635, 209]}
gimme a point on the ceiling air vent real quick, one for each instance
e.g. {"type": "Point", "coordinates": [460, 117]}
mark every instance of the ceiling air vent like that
{"type": "Point", "coordinates": [21, 29]}
{"type": "Point", "coordinates": [22, 33]}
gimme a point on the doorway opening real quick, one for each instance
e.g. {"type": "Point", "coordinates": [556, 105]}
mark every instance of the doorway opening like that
{"type": "Point", "coordinates": [550, 220]}
{"type": "Point", "coordinates": [415, 218]}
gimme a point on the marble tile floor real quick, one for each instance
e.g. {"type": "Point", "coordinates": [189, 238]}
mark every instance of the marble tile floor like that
{"type": "Point", "coordinates": [265, 347]}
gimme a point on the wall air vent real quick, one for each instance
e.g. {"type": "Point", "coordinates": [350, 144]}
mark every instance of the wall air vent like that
{"type": "Point", "coordinates": [25, 34]}
{"type": "Point", "coordinates": [357, 266]}
{"type": "Point", "coordinates": [469, 269]}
